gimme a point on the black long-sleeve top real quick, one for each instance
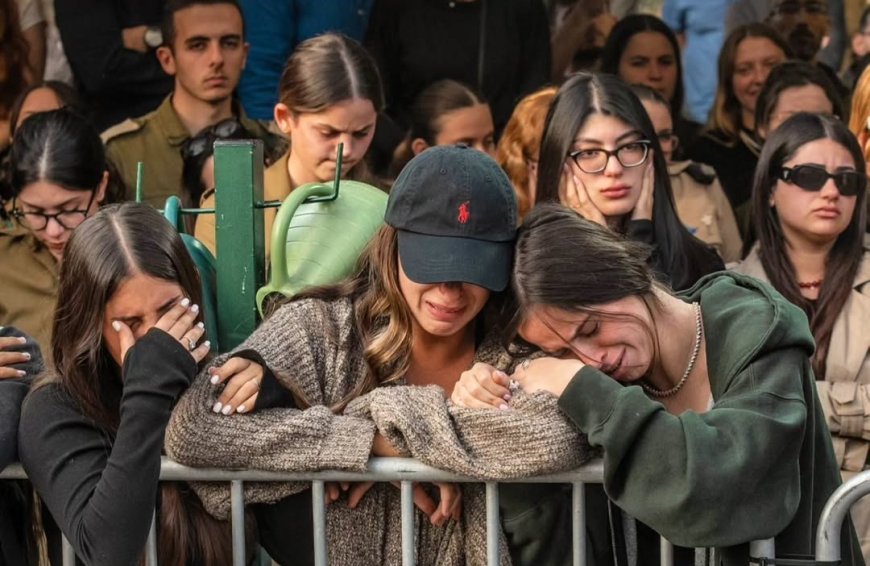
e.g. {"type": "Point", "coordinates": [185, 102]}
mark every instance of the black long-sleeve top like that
{"type": "Point", "coordinates": [116, 83]}
{"type": "Point", "coordinates": [101, 487]}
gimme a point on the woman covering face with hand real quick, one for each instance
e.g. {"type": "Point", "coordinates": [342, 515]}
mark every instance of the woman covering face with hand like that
{"type": "Point", "coordinates": [600, 156]}
{"type": "Point", "coordinates": [704, 403]}
{"type": "Point", "coordinates": [127, 341]}
{"type": "Point", "coordinates": [363, 368]}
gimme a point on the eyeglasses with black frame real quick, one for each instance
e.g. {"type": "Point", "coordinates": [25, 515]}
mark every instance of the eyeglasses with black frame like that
{"type": "Point", "coordinates": [595, 160]}
{"type": "Point", "coordinates": [814, 177]}
{"type": "Point", "coordinates": [68, 219]}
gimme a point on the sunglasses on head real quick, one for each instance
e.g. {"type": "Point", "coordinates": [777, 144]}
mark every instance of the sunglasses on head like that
{"type": "Point", "coordinates": [813, 178]}
{"type": "Point", "coordinates": [204, 140]}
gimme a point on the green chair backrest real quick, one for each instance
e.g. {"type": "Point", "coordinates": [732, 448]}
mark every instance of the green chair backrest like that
{"type": "Point", "coordinates": [206, 265]}
{"type": "Point", "coordinates": [317, 241]}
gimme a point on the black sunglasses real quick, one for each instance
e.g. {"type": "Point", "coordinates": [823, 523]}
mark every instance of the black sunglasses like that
{"type": "Point", "coordinates": [204, 141]}
{"type": "Point", "coordinates": [813, 178]}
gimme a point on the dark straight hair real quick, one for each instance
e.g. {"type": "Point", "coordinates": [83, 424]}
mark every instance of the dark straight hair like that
{"type": "Point", "coordinates": [845, 256]}
{"type": "Point", "coordinates": [567, 262]}
{"type": "Point", "coordinates": [793, 74]}
{"type": "Point", "coordinates": [681, 257]}
{"type": "Point", "coordinates": [622, 33]}
{"type": "Point", "coordinates": [66, 95]}
{"type": "Point", "coordinates": [167, 25]}
{"type": "Point", "coordinates": [62, 148]}
{"type": "Point", "coordinates": [111, 246]}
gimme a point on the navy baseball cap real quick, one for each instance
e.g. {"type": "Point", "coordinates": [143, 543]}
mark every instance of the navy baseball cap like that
{"type": "Point", "coordinates": [456, 215]}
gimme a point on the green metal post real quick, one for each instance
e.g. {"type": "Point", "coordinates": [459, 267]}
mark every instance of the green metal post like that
{"type": "Point", "coordinates": [238, 168]}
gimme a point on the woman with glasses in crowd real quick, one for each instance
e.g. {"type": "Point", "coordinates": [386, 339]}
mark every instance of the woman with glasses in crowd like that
{"type": "Point", "coordinates": [58, 177]}
{"type": "Point", "coordinates": [701, 205]}
{"type": "Point", "coordinates": [600, 156]}
{"type": "Point", "coordinates": [809, 212]}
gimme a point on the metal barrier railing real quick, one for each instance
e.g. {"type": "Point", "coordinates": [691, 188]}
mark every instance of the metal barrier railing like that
{"type": "Point", "coordinates": [406, 471]}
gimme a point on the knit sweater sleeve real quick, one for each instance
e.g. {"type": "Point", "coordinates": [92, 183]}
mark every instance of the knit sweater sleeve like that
{"type": "Point", "coordinates": [307, 342]}
{"type": "Point", "coordinates": [669, 470]}
{"type": "Point", "coordinates": [95, 485]}
{"type": "Point", "coordinates": [531, 438]}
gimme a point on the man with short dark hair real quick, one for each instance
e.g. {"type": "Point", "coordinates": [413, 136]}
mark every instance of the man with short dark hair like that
{"type": "Point", "coordinates": [204, 50]}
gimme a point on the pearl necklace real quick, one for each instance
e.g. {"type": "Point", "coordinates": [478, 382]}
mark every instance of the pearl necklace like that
{"type": "Point", "coordinates": [699, 332]}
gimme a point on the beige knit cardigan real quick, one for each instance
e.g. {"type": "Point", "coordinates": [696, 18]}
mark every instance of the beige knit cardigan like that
{"type": "Point", "coordinates": [314, 343]}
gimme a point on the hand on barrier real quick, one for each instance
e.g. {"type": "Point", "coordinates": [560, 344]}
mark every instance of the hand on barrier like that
{"type": "Point", "coordinates": [243, 378]}
{"type": "Point", "coordinates": [449, 504]}
{"type": "Point", "coordinates": [482, 387]}
{"type": "Point", "coordinates": [10, 358]}
{"type": "Point", "coordinates": [179, 322]}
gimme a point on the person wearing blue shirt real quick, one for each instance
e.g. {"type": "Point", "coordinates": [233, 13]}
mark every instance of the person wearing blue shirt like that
{"type": "Point", "coordinates": [701, 26]}
{"type": "Point", "coordinates": [275, 28]}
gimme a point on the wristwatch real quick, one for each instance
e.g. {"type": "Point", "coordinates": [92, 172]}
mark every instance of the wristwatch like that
{"type": "Point", "coordinates": [153, 37]}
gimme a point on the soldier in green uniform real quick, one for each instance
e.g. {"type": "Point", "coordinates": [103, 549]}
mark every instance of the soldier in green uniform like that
{"type": "Point", "coordinates": [204, 50]}
{"type": "Point", "coordinates": [58, 179]}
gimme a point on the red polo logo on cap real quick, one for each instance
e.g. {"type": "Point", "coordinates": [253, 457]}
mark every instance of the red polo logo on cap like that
{"type": "Point", "coordinates": [464, 214]}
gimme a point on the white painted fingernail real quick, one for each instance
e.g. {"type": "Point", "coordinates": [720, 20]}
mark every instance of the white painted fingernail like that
{"type": "Point", "coordinates": [200, 325]}
{"type": "Point", "coordinates": [116, 325]}
{"type": "Point", "coordinates": [194, 309]}
{"type": "Point", "coordinates": [21, 373]}
{"type": "Point", "coordinates": [214, 380]}
{"type": "Point", "coordinates": [25, 355]}
{"type": "Point", "coordinates": [21, 339]}
{"type": "Point", "coordinates": [241, 409]}
{"type": "Point", "coordinates": [507, 397]}
{"type": "Point", "coordinates": [227, 409]}
{"type": "Point", "coordinates": [217, 407]}
{"type": "Point", "coordinates": [503, 407]}
{"type": "Point", "coordinates": [207, 344]}
{"type": "Point", "coordinates": [185, 301]}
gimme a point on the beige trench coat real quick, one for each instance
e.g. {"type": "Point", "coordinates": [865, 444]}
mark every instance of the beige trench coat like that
{"type": "Point", "coordinates": [845, 393]}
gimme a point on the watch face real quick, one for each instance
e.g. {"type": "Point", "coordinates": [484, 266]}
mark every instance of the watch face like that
{"type": "Point", "coordinates": [153, 37]}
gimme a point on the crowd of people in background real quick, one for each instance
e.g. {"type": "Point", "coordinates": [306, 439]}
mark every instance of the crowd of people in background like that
{"type": "Point", "coordinates": [583, 196]}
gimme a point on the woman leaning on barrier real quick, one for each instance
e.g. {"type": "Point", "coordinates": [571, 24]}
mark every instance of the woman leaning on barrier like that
{"type": "Point", "coordinates": [370, 362]}
{"type": "Point", "coordinates": [704, 403]}
{"type": "Point", "coordinates": [809, 211]}
{"type": "Point", "coordinates": [126, 343]}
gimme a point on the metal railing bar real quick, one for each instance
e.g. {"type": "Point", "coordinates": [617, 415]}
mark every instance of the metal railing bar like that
{"type": "Point", "coordinates": [68, 554]}
{"type": "Point", "coordinates": [493, 525]}
{"type": "Point", "coordinates": [318, 506]}
{"type": "Point", "coordinates": [578, 523]}
{"type": "Point", "coordinates": [833, 514]}
{"type": "Point", "coordinates": [408, 531]}
{"type": "Point", "coordinates": [151, 543]}
{"type": "Point", "coordinates": [237, 504]}
{"type": "Point", "coordinates": [666, 553]}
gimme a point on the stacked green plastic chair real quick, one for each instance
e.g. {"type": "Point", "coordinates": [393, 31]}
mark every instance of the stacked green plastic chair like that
{"type": "Point", "coordinates": [319, 233]}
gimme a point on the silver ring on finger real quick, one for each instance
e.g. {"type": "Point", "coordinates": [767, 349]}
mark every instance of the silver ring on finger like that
{"type": "Point", "coordinates": [191, 344]}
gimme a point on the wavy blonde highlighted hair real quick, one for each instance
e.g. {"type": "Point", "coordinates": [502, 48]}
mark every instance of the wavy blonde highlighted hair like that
{"type": "Point", "coordinates": [383, 320]}
{"type": "Point", "coordinates": [521, 143]}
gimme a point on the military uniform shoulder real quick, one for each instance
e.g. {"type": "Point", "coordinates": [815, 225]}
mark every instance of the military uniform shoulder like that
{"type": "Point", "coordinates": [128, 126]}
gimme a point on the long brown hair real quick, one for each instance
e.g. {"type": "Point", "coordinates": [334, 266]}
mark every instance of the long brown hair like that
{"type": "Point", "coordinates": [101, 254]}
{"type": "Point", "coordinates": [382, 318]}
{"type": "Point", "coordinates": [325, 70]}
{"type": "Point", "coordinates": [725, 116]}
{"type": "Point", "coordinates": [844, 257]}
{"type": "Point", "coordinates": [14, 65]}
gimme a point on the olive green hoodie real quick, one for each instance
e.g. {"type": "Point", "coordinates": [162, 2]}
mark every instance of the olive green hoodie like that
{"type": "Point", "coordinates": [758, 464]}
